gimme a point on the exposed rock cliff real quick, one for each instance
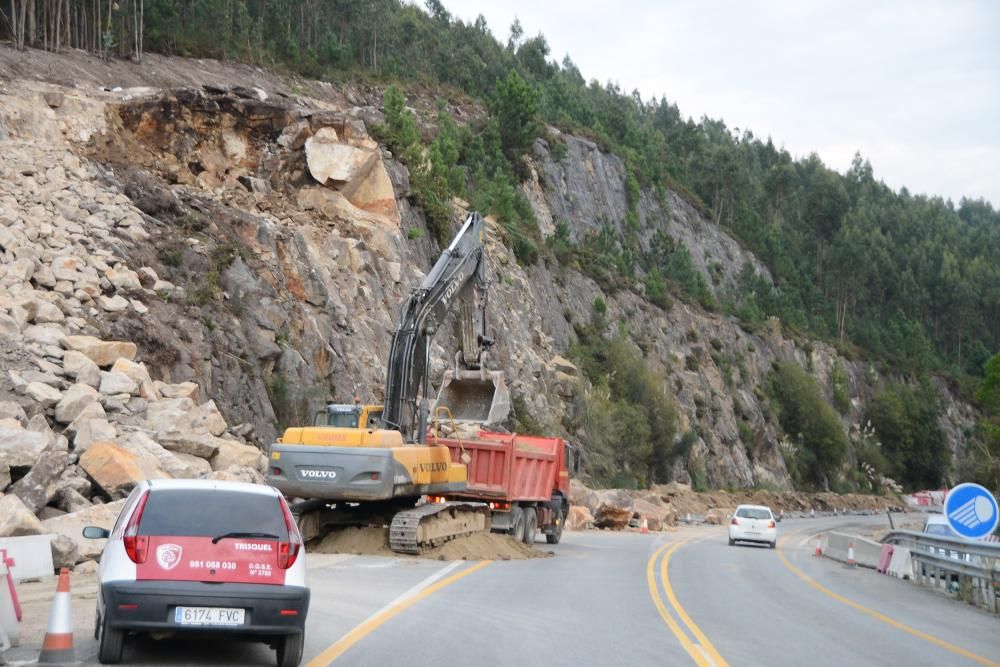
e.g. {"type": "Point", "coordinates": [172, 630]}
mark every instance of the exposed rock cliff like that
{"type": "Point", "coordinates": [209, 242]}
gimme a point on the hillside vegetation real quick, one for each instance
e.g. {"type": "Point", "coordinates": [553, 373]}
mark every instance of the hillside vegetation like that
{"type": "Point", "coordinates": [909, 281]}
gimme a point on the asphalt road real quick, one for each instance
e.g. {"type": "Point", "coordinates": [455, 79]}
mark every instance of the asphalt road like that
{"type": "Point", "coordinates": [603, 600]}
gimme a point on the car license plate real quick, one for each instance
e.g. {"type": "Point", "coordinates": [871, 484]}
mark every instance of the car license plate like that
{"type": "Point", "coordinates": [208, 616]}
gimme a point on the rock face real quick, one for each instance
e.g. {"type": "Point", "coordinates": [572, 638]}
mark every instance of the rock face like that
{"type": "Point", "coordinates": [185, 272]}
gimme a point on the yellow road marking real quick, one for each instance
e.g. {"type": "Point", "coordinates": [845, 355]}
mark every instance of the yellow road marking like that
{"type": "Point", "coordinates": [703, 654]}
{"type": "Point", "coordinates": [654, 591]}
{"type": "Point", "coordinates": [713, 654]}
{"type": "Point", "coordinates": [882, 617]}
{"type": "Point", "coordinates": [336, 649]}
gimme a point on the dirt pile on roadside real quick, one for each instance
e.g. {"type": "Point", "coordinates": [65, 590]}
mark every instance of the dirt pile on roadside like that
{"type": "Point", "coordinates": [665, 504]}
{"type": "Point", "coordinates": [372, 541]}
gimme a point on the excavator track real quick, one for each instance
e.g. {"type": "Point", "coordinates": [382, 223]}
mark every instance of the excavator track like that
{"type": "Point", "coordinates": [431, 525]}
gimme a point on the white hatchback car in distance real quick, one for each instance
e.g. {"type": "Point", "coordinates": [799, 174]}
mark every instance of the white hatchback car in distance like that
{"type": "Point", "coordinates": [753, 523]}
{"type": "Point", "coordinates": [203, 557]}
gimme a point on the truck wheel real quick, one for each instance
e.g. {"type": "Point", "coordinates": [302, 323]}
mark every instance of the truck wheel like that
{"type": "Point", "coordinates": [530, 525]}
{"type": "Point", "coordinates": [556, 535]}
{"type": "Point", "coordinates": [516, 522]}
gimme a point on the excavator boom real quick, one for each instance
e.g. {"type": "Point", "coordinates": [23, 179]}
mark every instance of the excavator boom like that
{"type": "Point", "coordinates": [378, 464]}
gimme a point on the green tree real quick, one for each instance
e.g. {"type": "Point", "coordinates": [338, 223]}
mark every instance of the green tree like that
{"type": "Point", "coordinates": [514, 106]}
{"type": "Point", "coordinates": [810, 421]}
{"type": "Point", "coordinates": [906, 421]}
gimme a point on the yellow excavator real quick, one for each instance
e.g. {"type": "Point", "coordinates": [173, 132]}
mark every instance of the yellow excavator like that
{"type": "Point", "coordinates": [364, 464]}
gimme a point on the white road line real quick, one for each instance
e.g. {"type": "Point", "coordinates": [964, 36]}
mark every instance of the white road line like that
{"type": "Point", "coordinates": [419, 586]}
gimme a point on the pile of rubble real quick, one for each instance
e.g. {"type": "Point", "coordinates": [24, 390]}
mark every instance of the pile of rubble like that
{"type": "Point", "coordinates": [666, 504]}
{"type": "Point", "coordinates": [81, 418]}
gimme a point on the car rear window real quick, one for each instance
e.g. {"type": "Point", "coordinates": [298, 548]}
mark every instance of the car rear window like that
{"type": "Point", "coordinates": [939, 529]}
{"type": "Point", "coordinates": [210, 513]}
{"type": "Point", "coordinates": [752, 513]}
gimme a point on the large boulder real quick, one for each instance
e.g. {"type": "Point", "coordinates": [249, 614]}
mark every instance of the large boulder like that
{"type": "Point", "coordinates": [180, 390]}
{"type": "Point", "coordinates": [65, 552]}
{"type": "Point", "coordinates": [615, 509]}
{"type": "Point", "coordinates": [82, 368]}
{"type": "Point", "coordinates": [144, 447]}
{"type": "Point", "coordinates": [658, 516]}
{"type": "Point", "coordinates": [233, 453]}
{"type": "Point", "coordinates": [20, 447]}
{"type": "Point", "coordinates": [101, 352]}
{"type": "Point", "coordinates": [76, 398]}
{"type": "Point", "coordinates": [117, 383]}
{"type": "Point", "coordinates": [72, 525]}
{"type": "Point", "coordinates": [202, 445]}
{"type": "Point", "coordinates": [39, 486]}
{"type": "Point", "coordinates": [43, 394]}
{"type": "Point", "coordinates": [89, 431]}
{"type": "Point", "coordinates": [330, 160]}
{"type": "Point", "coordinates": [579, 518]}
{"type": "Point", "coordinates": [11, 410]}
{"type": "Point", "coordinates": [579, 494]}
{"type": "Point", "coordinates": [179, 417]}
{"type": "Point", "coordinates": [116, 469]}
{"type": "Point", "coordinates": [138, 374]}
{"type": "Point", "coordinates": [16, 519]}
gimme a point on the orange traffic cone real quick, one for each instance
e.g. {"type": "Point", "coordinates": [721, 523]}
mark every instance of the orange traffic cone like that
{"type": "Point", "coordinates": [819, 546]}
{"type": "Point", "coordinates": [58, 644]}
{"type": "Point", "coordinates": [645, 526]}
{"type": "Point", "coordinates": [850, 554]}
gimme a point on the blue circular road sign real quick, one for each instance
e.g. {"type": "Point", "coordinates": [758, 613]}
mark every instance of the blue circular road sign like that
{"type": "Point", "coordinates": [972, 511]}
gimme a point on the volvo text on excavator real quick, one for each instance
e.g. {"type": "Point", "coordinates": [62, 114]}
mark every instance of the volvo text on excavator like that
{"type": "Point", "coordinates": [365, 464]}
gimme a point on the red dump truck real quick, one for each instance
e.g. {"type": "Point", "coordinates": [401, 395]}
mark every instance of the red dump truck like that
{"type": "Point", "coordinates": [523, 478]}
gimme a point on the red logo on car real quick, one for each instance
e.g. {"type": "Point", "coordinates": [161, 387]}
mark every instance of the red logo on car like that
{"type": "Point", "coordinates": [168, 555]}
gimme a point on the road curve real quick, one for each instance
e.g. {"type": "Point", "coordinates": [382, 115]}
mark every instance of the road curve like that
{"type": "Point", "coordinates": [603, 599]}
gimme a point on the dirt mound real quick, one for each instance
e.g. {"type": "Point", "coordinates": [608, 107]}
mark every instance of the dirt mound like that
{"type": "Point", "coordinates": [372, 541]}
{"type": "Point", "coordinates": [664, 504]}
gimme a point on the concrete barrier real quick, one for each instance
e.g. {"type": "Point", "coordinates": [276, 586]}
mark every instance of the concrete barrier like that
{"type": "Point", "coordinates": [866, 552]}
{"type": "Point", "coordinates": [32, 556]}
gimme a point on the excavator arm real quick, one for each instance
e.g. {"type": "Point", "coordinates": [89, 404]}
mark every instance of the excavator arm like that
{"type": "Point", "coordinates": [459, 276]}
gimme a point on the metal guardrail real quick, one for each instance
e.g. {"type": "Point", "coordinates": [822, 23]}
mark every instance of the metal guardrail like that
{"type": "Point", "coordinates": [966, 569]}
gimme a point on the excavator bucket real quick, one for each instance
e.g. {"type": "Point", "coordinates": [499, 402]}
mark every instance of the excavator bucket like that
{"type": "Point", "coordinates": [474, 396]}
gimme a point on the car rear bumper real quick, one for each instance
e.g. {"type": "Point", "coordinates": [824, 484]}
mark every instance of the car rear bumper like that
{"type": "Point", "coordinates": [150, 605]}
{"type": "Point", "coordinates": [764, 536]}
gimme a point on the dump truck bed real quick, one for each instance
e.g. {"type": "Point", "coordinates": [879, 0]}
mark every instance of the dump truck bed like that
{"type": "Point", "coordinates": [510, 468]}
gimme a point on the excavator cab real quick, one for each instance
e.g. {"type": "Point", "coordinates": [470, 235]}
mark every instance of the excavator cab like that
{"type": "Point", "coordinates": [474, 396]}
{"type": "Point", "coordinates": [356, 416]}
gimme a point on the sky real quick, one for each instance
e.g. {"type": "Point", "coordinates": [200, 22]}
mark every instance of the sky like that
{"type": "Point", "coordinates": [913, 86]}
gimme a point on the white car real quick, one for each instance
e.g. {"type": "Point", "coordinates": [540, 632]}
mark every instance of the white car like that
{"type": "Point", "coordinates": [203, 557]}
{"type": "Point", "coordinates": [753, 523]}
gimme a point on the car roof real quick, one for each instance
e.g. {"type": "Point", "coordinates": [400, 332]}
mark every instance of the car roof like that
{"type": "Point", "coordinates": [214, 484]}
{"type": "Point", "coordinates": [936, 519]}
{"type": "Point", "coordinates": [754, 507]}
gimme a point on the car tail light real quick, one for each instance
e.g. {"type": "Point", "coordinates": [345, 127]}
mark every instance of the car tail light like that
{"type": "Point", "coordinates": [275, 471]}
{"type": "Point", "coordinates": [136, 545]}
{"type": "Point", "coordinates": [771, 524]}
{"type": "Point", "coordinates": [734, 522]}
{"type": "Point", "coordinates": [289, 551]}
